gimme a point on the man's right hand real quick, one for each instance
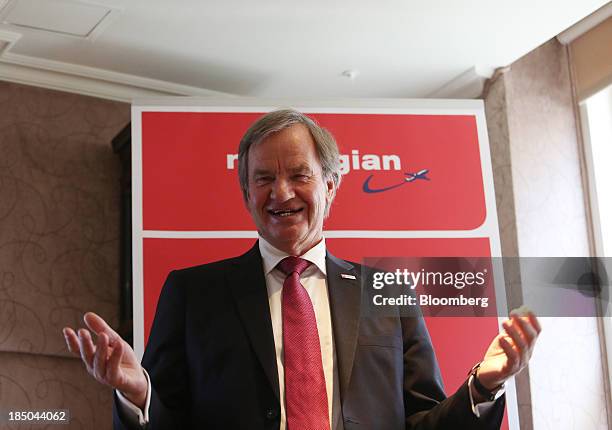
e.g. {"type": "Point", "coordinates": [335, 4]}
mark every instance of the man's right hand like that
{"type": "Point", "coordinates": [111, 360]}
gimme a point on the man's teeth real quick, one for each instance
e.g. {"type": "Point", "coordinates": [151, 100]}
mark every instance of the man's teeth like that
{"type": "Point", "coordinates": [285, 212]}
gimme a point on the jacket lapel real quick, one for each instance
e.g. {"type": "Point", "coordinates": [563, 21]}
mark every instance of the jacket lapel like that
{"type": "Point", "coordinates": [248, 285]}
{"type": "Point", "coordinates": [345, 302]}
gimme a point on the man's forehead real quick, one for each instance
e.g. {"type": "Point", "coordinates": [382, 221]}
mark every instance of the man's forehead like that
{"type": "Point", "coordinates": [289, 164]}
{"type": "Point", "coordinates": [287, 152]}
{"type": "Point", "coordinates": [275, 148]}
{"type": "Point", "coordinates": [291, 161]}
{"type": "Point", "coordinates": [296, 134]}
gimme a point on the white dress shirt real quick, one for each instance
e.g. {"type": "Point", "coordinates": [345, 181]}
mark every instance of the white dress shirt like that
{"type": "Point", "coordinates": [314, 280]}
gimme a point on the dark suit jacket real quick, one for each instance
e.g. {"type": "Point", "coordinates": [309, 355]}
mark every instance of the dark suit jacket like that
{"type": "Point", "coordinates": [212, 363]}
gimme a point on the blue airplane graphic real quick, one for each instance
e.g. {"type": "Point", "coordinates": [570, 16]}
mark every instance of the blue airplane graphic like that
{"type": "Point", "coordinates": [408, 177]}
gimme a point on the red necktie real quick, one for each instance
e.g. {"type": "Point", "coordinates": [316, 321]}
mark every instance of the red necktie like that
{"type": "Point", "coordinates": [305, 392]}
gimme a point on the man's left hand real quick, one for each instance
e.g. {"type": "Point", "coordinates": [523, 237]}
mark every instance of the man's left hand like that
{"type": "Point", "coordinates": [510, 351]}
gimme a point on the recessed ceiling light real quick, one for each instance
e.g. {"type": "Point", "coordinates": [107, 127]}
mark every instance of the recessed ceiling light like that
{"type": "Point", "coordinates": [67, 17]}
{"type": "Point", "coordinates": [351, 74]}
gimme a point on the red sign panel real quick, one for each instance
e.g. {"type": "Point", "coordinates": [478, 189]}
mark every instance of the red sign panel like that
{"type": "Point", "coordinates": [448, 334]}
{"type": "Point", "coordinates": [401, 172]}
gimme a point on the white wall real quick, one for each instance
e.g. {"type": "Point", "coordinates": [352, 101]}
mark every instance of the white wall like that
{"type": "Point", "coordinates": [533, 127]}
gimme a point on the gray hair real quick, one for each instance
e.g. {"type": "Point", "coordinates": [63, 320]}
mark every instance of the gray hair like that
{"type": "Point", "coordinates": [277, 120]}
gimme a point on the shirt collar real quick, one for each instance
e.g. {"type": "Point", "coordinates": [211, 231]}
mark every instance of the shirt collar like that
{"type": "Point", "coordinates": [271, 256]}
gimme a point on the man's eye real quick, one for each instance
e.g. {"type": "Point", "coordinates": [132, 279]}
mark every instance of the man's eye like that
{"type": "Point", "coordinates": [263, 179]}
{"type": "Point", "coordinates": [301, 177]}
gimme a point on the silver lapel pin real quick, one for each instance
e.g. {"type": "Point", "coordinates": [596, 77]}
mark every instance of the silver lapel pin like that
{"type": "Point", "coordinates": [347, 276]}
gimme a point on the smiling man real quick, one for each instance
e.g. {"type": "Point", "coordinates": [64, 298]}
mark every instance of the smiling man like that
{"type": "Point", "coordinates": [285, 189]}
{"type": "Point", "coordinates": [273, 339]}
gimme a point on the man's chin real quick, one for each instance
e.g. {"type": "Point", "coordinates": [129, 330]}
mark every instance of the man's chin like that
{"type": "Point", "coordinates": [290, 241]}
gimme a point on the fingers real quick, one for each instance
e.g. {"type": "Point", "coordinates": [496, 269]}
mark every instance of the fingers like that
{"type": "Point", "coordinates": [528, 325]}
{"type": "Point", "coordinates": [87, 349]}
{"type": "Point", "coordinates": [98, 326]}
{"type": "Point", "coordinates": [511, 327]}
{"type": "Point", "coordinates": [534, 322]}
{"type": "Point", "coordinates": [112, 367]}
{"type": "Point", "coordinates": [523, 332]}
{"type": "Point", "coordinates": [100, 358]}
{"type": "Point", "coordinates": [100, 361]}
{"type": "Point", "coordinates": [528, 330]}
{"type": "Point", "coordinates": [511, 353]}
{"type": "Point", "coordinates": [106, 359]}
{"type": "Point", "coordinates": [72, 341]}
{"type": "Point", "coordinates": [82, 346]}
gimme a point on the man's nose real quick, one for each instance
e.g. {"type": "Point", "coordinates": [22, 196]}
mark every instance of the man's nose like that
{"type": "Point", "coordinates": [282, 190]}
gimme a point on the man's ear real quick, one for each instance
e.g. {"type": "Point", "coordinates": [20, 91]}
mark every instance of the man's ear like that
{"type": "Point", "coordinates": [331, 189]}
{"type": "Point", "coordinates": [245, 198]}
{"type": "Point", "coordinates": [330, 194]}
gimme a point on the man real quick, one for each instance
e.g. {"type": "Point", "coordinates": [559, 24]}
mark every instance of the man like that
{"type": "Point", "coordinates": [273, 339]}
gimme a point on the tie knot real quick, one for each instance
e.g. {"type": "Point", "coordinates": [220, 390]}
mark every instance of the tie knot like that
{"type": "Point", "coordinates": [288, 265]}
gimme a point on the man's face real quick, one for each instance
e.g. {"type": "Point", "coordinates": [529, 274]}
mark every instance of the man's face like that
{"type": "Point", "coordinates": [287, 192]}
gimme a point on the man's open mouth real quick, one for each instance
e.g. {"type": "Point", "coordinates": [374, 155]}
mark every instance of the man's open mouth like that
{"type": "Point", "coordinates": [284, 212]}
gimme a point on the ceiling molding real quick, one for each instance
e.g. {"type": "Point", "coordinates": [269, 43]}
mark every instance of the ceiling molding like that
{"type": "Point", "coordinates": [584, 25]}
{"type": "Point", "coordinates": [89, 81]}
{"type": "Point", "coordinates": [85, 80]}
{"type": "Point", "coordinates": [208, 46]}
{"type": "Point", "coordinates": [467, 85]}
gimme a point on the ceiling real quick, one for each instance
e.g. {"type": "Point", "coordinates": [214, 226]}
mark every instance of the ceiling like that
{"type": "Point", "coordinates": [273, 48]}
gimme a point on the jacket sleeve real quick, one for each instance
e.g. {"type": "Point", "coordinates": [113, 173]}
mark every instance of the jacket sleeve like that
{"type": "Point", "coordinates": [165, 361]}
{"type": "Point", "coordinates": [425, 403]}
